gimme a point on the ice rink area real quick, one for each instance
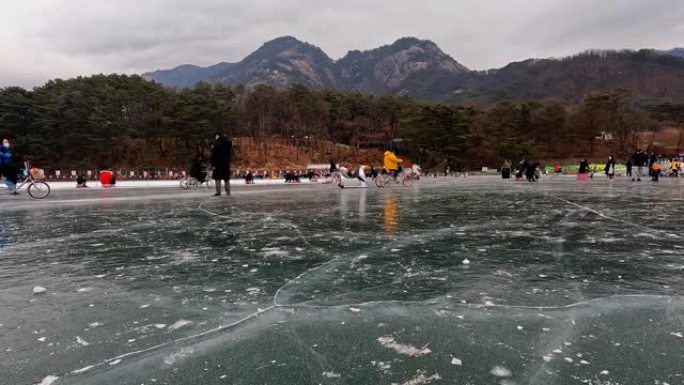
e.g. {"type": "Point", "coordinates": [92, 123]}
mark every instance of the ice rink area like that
{"type": "Point", "coordinates": [453, 281]}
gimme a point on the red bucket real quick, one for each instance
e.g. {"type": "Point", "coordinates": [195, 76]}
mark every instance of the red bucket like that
{"type": "Point", "coordinates": [106, 177]}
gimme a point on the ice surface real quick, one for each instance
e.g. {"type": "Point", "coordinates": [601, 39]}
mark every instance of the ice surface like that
{"type": "Point", "coordinates": [281, 285]}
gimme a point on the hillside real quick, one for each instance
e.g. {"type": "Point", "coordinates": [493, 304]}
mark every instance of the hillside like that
{"type": "Point", "coordinates": [652, 76]}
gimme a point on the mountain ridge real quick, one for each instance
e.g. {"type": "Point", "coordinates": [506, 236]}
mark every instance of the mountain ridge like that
{"type": "Point", "coordinates": [419, 68]}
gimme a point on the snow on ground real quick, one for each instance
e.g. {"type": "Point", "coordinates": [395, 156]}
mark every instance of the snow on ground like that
{"type": "Point", "coordinates": [69, 185]}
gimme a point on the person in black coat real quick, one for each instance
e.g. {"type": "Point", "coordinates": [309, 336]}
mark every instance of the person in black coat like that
{"type": "Point", "coordinates": [197, 169]}
{"type": "Point", "coordinates": [220, 161]}
{"type": "Point", "coordinates": [530, 172]}
{"type": "Point", "coordinates": [639, 161]}
{"type": "Point", "coordinates": [522, 169]}
{"type": "Point", "coordinates": [610, 167]}
{"type": "Point", "coordinates": [583, 167]}
{"type": "Point", "coordinates": [628, 166]}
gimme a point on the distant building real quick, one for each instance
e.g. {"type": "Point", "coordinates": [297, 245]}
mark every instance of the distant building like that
{"type": "Point", "coordinates": [604, 135]}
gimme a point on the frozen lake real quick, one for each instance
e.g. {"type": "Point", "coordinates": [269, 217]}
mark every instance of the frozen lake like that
{"type": "Point", "coordinates": [459, 281]}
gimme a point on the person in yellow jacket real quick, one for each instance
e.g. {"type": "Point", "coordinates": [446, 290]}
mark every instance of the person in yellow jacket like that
{"type": "Point", "coordinates": [674, 166]}
{"type": "Point", "coordinates": [391, 163]}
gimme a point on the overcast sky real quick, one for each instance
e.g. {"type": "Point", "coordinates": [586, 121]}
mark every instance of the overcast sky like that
{"type": "Point", "coordinates": [45, 39]}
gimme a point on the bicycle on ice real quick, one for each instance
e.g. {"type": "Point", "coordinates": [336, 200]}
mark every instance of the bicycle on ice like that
{"type": "Point", "coordinates": [34, 180]}
{"type": "Point", "coordinates": [407, 177]}
{"type": "Point", "coordinates": [202, 178]}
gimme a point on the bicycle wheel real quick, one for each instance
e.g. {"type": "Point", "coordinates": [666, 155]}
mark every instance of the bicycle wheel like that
{"type": "Point", "coordinates": [184, 184]}
{"type": "Point", "coordinates": [39, 190]}
{"type": "Point", "coordinates": [210, 183]}
{"type": "Point", "coordinates": [408, 180]}
{"type": "Point", "coordinates": [379, 180]}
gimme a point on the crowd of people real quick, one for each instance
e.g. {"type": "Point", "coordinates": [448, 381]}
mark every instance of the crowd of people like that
{"type": "Point", "coordinates": [638, 165]}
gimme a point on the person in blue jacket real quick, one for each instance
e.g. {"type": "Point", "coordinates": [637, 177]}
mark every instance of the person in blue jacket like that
{"type": "Point", "coordinates": [8, 168]}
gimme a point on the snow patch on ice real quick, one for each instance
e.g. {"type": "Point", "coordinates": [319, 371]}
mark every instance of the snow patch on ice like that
{"type": "Point", "coordinates": [677, 334]}
{"type": "Point", "coordinates": [175, 357]}
{"type": "Point", "coordinates": [421, 379]}
{"type": "Point", "coordinates": [115, 362]}
{"type": "Point", "coordinates": [82, 370]}
{"type": "Point", "coordinates": [179, 324]}
{"type": "Point", "coordinates": [49, 380]}
{"type": "Point", "coordinates": [382, 366]}
{"type": "Point", "coordinates": [456, 361]}
{"type": "Point", "coordinates": [331, 375]}
{"type": "Point", "coordinates": [81, 341]}
{"type": "Point", "coordinates": [39, 290]}
{"type": "Point", "coordinates": [411, 351]}
{"type": "Point", "coordinates": [500, 371]}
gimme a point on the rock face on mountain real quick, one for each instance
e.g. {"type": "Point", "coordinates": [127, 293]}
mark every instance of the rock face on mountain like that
{"type": "Point", "coordinates": [403, 67]}
{"type": "Point", "coordinates": [406, 67]}
{"type": "Point", "coordinates": [419, 68]}
{"type": "Point", "coordinates": [280, 62]}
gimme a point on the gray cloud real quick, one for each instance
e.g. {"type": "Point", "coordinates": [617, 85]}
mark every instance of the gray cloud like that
{"type": "Point", "coordinates": [42, 39]}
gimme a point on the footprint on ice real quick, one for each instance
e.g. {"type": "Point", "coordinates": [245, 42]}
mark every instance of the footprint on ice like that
{"type": "Point", "coordinates": [500, 371]}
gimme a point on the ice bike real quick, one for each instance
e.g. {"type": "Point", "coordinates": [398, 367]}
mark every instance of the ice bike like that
{"type": "Point", "coordinates": [406, 177]}
{"type": "Point", "coordinates": [189, 181]}
{"type": "Point", "coordinates": [34, 179]}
